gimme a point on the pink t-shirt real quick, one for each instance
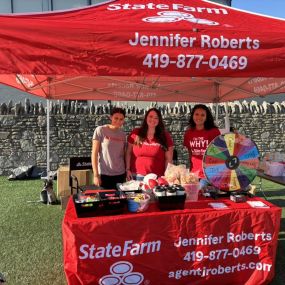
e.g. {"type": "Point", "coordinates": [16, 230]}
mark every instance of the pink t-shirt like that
{"type": "Point", "coordinates": [148, 157]}
{"type": "Point", "coordinates": [197, 141]}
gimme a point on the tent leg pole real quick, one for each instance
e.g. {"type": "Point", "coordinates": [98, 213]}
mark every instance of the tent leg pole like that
{"type": "Point", "coordinates": [227, 119]}
{"type": "Point", "coordinates": [48, 134]}
{"type": "Point", "coordinates": [217, 112]}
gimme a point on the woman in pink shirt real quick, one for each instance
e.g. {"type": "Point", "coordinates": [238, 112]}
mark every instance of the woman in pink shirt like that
{"type": "Point", "coordinates": [202, 130]}
{"type": "Point", "coordinates": [150, 147]}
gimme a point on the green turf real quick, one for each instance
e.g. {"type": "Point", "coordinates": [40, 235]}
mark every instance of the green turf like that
{"type": "Point", "coordinates": [31, 244]}
{"type": "Point", "coordinates": [275, 193]}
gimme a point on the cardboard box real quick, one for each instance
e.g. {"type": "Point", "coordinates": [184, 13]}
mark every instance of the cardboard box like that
{"type": "Point", "coordinates": [63, 202]}
{"type": "Point", "coordinates": [63, 190]}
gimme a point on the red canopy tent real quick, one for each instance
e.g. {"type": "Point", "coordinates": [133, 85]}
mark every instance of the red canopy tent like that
{"type": "Point", "coordinates": [189, 50]}
{"type": "Point", "coordinates": [149, 51]}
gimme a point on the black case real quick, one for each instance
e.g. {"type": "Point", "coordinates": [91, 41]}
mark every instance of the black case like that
{"type": "Point", "coordinates": [171, 202]}
{"type": "Point", "coordinates": [109, 203]}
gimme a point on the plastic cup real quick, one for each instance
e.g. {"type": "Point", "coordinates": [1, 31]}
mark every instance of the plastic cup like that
{"type": "Point", "coordinates": [192, 191]}
{"type": "Point", "coordinates": [138, 206]}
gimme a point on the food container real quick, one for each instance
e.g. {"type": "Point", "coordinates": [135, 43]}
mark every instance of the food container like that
{"type": "Point", "coordinates": [175, 202]}
{"type": "Point", "coordinates": [171, 191]}
{"type": "Point", "coordinates": [159, 191]}
{"type": "Point", "coordinates": [173, 199]}
{"type": "Point", "coordinates": [100, 203]}
{"type": "Point", "coordinates": [150, 193]}
{"type": "Point", "coordinates": [180, 190]}
{"type": "Point", "coordinates": [129, 186]}
{"type": "Point", "coordinates": [192, 191]}
{"type": "Point", "coordinates": [138, 203]}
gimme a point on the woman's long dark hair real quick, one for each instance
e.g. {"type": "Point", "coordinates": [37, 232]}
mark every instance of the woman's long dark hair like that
{"type": "Point", "coordinates": [209, 123]}
{"type": "Point", "coordinates": [159, 134]}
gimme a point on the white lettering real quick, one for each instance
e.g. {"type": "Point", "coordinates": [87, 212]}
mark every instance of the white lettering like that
{"type": "Point", "coordinates": [171, 40]}
{"type": "Point", "coordinates": [222, 42]}
{"type": "Point", "coordinates": [100, 253]}
{"type": "Point", "coordinates": [127, 247]}
{"type": "Point", "coordinates": [173, 6]}
{"type": "Point", "coordinates": [113, 7]}
{"type": "Point", "coordinates": [232, 237]}
{"type": "Point", "coordinates": [206, 41]}
{"type": "Point", "coordinates": [205, 240]}
{"type": "Point", "coordinates": [135, 249]}
{"type": "Point", "coordinates": [82, 250]}
{"type": "Point", "coordinates": [109, 251]}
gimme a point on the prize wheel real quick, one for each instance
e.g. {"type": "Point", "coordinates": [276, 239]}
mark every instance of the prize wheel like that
{"type": "Point", "coordinates": [230, 162]}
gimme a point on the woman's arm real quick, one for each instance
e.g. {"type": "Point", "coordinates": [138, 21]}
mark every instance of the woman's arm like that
{"type": "Point", "coordinates": [186, 144]}
{"type": "Point", "coordinates": [94, 158]}
{"type": "Point", "coordinates": [169, 156]}
{"type": "Point", "coordinates": [128, 161]}
{"type": "Point", "coordinates": [190, 157]}
{"type": "Point", "coordinates": [169, 152]}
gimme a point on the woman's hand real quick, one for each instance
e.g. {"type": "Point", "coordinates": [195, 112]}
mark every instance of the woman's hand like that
{"type": "Point", "coordinates": [97, 180]}
{"type": "Point", "coordinates": [128, 161]}
{"type": "Point", "coordinates": [169, 156]}
{"type": "Point", "coordinates": [129, 175]}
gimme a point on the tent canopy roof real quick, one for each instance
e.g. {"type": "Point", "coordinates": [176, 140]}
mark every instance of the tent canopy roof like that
{"type": "Point", "coordinates": [189, 50]}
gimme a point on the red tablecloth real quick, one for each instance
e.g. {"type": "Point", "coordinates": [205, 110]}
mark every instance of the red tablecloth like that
{"type": "Point", "coordinates": [198, 245]}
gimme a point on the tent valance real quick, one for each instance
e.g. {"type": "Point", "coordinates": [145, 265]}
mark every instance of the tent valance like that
{"type": "Point", "coordinates": [151, 51]}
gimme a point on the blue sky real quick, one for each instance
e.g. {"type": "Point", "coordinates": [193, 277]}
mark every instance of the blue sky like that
{"type": "Point", "coordinates": [275, 8]}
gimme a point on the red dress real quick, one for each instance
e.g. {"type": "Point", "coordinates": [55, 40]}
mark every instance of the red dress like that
{"type": "Point", "coordinates": [196, 142]}
{"type": "Point", "coordinates": [148, 157]}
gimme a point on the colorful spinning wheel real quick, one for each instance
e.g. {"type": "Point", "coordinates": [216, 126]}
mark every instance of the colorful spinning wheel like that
{"type": "Point", "coordinates": [230, 162]}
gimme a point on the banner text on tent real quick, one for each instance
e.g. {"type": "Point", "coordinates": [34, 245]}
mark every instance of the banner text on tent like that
{"type": "Point", "coordinates": [173, 6]}
{"type": "Point", "coordinates": [204, 41]}
{"type": "Point", "coordinates": [196, 61]}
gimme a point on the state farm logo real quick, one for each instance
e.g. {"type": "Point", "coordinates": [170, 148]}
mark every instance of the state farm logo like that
{"type": "Point", "coordinates": [20, 79]}
{"type": "Point", "coordinates": [175, 16]}
{"type": "Point", "coordinates": [81, 164]}
{"type": "Point", "coordinates": [121, 274]}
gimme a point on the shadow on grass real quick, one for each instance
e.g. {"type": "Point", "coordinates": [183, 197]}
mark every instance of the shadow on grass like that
{"type": "Point", "coordinates": [272, 193]}
{"type": "Point", "coordinates": [278, 202]}
{"type": "Point", "coordinates": [282, 229]}
{"type": "Point", "coordinates": [275, 192]}
{"type": "Point", "coordinates": [280, 258]}
{"type": "Point", "coordinates": [275, 196]}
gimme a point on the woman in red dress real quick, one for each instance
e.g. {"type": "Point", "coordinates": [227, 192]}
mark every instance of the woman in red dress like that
{"type": "Point", "coordinates": [150, 147]}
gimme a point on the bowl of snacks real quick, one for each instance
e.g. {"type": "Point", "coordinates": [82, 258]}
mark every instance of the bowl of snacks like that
{"type": "Point", "coordinates": [138, 202]}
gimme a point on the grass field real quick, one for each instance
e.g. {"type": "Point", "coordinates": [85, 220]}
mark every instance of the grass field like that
{"type": "Point", "coordinates": [31, 244]}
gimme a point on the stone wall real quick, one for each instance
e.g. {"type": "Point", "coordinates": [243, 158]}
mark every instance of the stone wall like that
{"type": "Point", "coordinates": [23, 129]}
